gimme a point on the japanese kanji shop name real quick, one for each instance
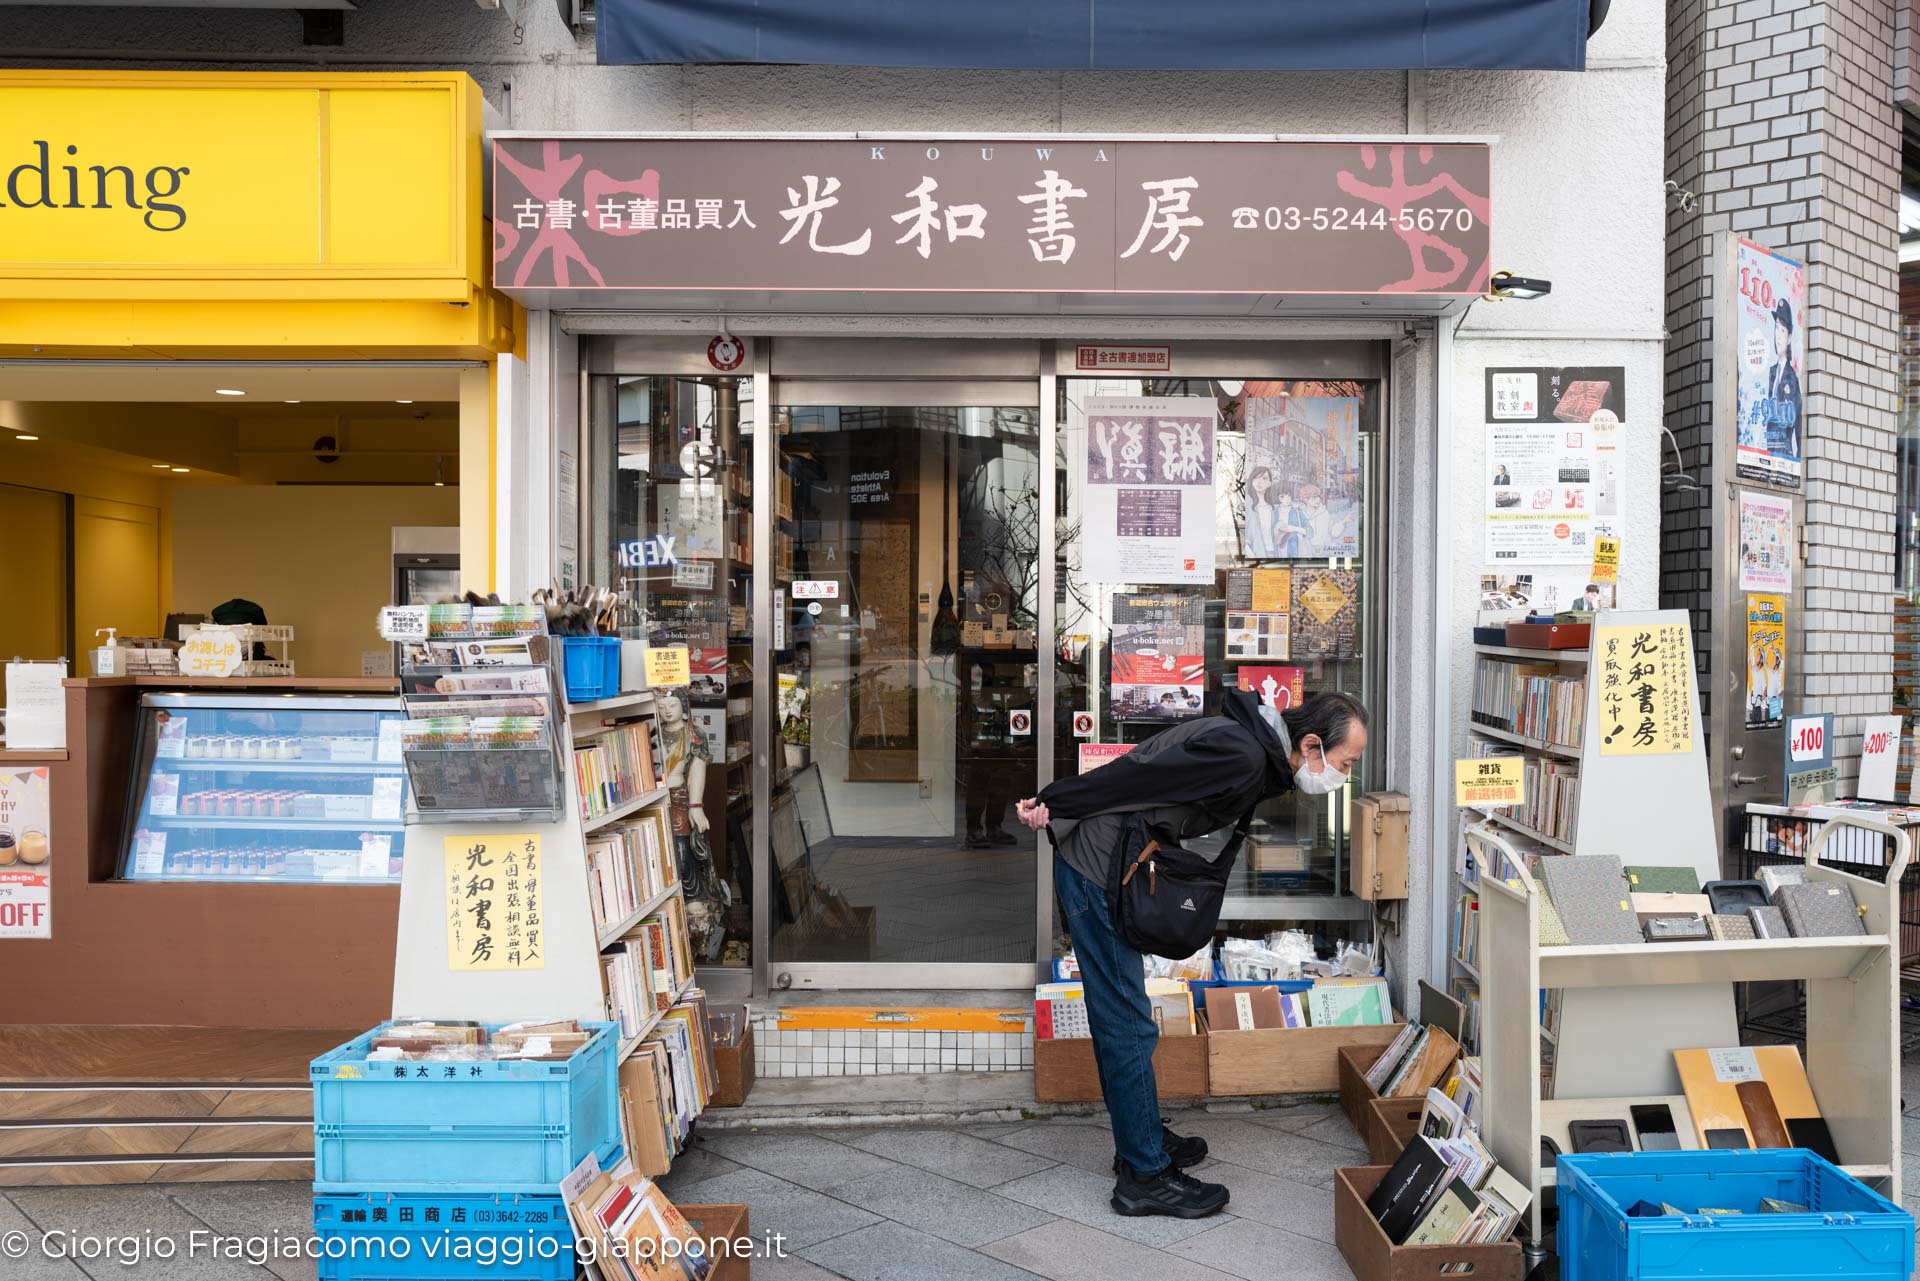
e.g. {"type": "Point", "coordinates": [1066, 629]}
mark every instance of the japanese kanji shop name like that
{"type": "Point", "coordinates": [1025, 216]}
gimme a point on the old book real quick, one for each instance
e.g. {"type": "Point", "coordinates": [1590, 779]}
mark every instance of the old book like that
{"type": "Point", "coordinates": [1768, 923]}
{"type": "Point", "coordinates": [1729, 929]}
{"type": "Point", "coordinates": [1646, 879]}
{"type": "Point", "coordinates": [1396, 1203]}
{"type": "Point", "coordinates": [1242, 1009]}
{"type": "Point", "coordinates": [1391, 1057]}
{"type": "Point", "coordinates": [1426, 1066]}
{"type": "Point", "coordinates": [1670, 904]}
{"type": "Point", "coordinates": [1786, 874]}
{"type": "Point", "coordinates": [1673, 927]}
{"type": "Point", "coordinates": [1349, 1003]}
{"type": "Point", "coordinates": [1591, 895]}
{"type": "Point", "coordinates": [1447, 1218]}
{"type": "Point", "coordinates": [1552, 932]}
{"type": "Point", "coordinates": [1822, 910]}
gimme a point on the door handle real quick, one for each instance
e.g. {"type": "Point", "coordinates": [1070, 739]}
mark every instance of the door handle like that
{"type": "Point", "coordinates": [1746, 780]}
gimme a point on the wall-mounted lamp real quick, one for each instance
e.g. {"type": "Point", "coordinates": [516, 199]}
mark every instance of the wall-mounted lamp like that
{"type": "Point", "coordinates": [1507, 285]}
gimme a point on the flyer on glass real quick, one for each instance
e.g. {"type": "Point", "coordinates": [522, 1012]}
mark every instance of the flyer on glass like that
{"type": "Point", "coordinates": [1770, 360]}
{"type": "Point", "coordinates": [26, 852]}
{"type": "Point", "coordinates": [1766, 543]}
{"type": "Point", "coordinates": [1302, 491]}
{"type": "Point", "coordinates": [1766, 658]}
{"type": "Point", "coordinates": [1148, 498]}
{"type": "Point", "coordinates": [1159, 664]}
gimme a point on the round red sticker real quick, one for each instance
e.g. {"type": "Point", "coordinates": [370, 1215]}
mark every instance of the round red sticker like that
{"type": "Point", "coordinates": [1561, 531]}
{"type": "Point", "coordinates": [726, 352]}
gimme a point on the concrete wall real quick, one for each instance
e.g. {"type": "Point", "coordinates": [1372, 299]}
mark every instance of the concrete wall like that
{"type": "Point", "coordinates": [1782, 122]}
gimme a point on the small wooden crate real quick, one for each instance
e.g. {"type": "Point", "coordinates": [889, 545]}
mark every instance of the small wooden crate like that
{"type": "Point", "coordinates": [1391, 1125]}
{"type": "Point", "coordinates": [1064, 1071]}
{"type": "Point", "coordinates": [1373, 1257]}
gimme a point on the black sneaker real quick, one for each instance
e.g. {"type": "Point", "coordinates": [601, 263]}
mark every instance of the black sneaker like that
{"type": "Point", "coordinates": [1171, 1192]}
{"type": "Point", "coordinates": [1185, 1151]}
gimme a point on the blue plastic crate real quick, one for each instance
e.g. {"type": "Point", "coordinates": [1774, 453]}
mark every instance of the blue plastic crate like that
{"type": "Point", "coordinates": [385, 1236]}
{"type": "Point", "coordinates": [592, 666]}
{"type": "Point", "coordinates": [1849, 1231]}
{"type": "Point", "coordinates": [485, 1127]}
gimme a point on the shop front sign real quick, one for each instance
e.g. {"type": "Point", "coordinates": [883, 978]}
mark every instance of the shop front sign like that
{"type": "Point", "coordinates": [1041, 215]}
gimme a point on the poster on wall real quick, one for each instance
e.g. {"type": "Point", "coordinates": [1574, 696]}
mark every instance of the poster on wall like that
{"type": "Point", "coordinates": [1646, 683]}
{"type": "Point", "coordinates": [1302, 492]}
{"type": "Point", "coordinates": [1149, 490]}
{"type": "Point", "coordinates": [1325, 613]}
{"type": "Point", "coordinates": [484, 875]}
{"type": "Point", "coordinates": [1159, 656]}
{"type": "Point", "coordinates": [1766, 659]}
{"type": "Point", "coordinates": [1766, 543]}
{"type": "Point", "coordinates": [1278, 687]}
{"type": "Point", "coordinates": [1552, 477]}
{"type": "Point", "coordinates": [1770, 358]}
{"type": "Point", "coordinates": [1514, 592]}
{"type": "Point", "coordinates": [26, 851]}
{"type": "Point", "coordinates": [1258, 621]}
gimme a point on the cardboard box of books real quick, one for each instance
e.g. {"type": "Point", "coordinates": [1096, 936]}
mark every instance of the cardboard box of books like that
{"type": "Point", "coordinates": [1063, 1066]}
{"type": "Point", "coordinates": [1442, 1207]}
{"type": "Point", "coordinates": [1246, 1055]}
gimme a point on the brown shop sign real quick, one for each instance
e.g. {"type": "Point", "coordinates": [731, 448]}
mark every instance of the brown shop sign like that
{"type": "Point", "coordinates": [1034, 216]}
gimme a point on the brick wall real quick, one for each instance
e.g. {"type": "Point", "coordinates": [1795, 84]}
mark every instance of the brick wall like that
{"type": "Point", "coordinates": [1781, 119]}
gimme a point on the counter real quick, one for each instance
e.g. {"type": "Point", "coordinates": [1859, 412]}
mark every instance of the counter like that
{"type": "Point", "coordinates": [208, 954]}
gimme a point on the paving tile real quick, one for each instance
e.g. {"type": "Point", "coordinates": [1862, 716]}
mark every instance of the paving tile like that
{"type": "Point", "coordinates": [1910, 1133]}
{"type": "Point", "coordinates": [993, 1133]}
{"type": "Point", "coordinates": [697, 1164]}
{"type": "Point", "coordinates": [953, 1211]}
{"type": "Point", "coordinates": [1295, 1116]}
{"type": "Point", "coordinates": [255, 1209]}
{"type": "Point", "coordinates": [806, 1159]}
{"type": "Point", "coordinates": [1087, 1198]}
{"type": "Point", "coordinates": [1277, 1202]}
{"type": "Point", "coordinates": [789, 1267]}
{"type": "Point", "coordinates": [1073, 1252]}
{"type": "Point", "coordinates": [1271, 1151]}
{"type": "Point", "coordinates": [1258, 1252]}
{"type": "Point", "coordinates": [1083, 1146]}
{"type": "Point", "coordinates": [804, 1217]}
{"type": "Point", "coordinates": [891, 1252]}
{"type": "Point", "coordinates": [35, 1266]}
{"type": "Point", "coordinates": [1336, 1131]}
{"type": "Point", "coordinates": [143, 1210]}
{"type": "Point", "coordinates": [957, 1156]}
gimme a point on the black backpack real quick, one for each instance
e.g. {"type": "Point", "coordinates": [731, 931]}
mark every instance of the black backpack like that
{"type": "Point", "coordinates": [1165, 900]}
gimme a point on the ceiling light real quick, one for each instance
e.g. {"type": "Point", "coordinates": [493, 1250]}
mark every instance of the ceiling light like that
{"type": "Point", "coordinates": [227, 391]}
{"type": "Point", "coordinates": [160, 466]}
{"type": "Point", "coordinates": [293, 402]}
{"type": "Point", "coordinates": [403, 402]}
{"type": "Point", "coordinates": [23, 436]}
{"type": "Point", "coordinates": [183, 469]}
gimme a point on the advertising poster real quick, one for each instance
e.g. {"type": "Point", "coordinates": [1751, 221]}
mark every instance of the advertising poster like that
{"type": "Point", "coordinates": [1766, 659]}
{"type": "Point", "coordinates": [1553, 443]}
{"type": "Point", "coordinates": [1258, 621]}
{"type": "Point", "coordinates": [1325, 613]}
{"type": "Point", "coordinates": [1278, 687]}
{"type": "Point", "coordinates": [26, 851]}
{"type": "Point", "coordinates": [1646, 689]}
{"type": "Point", "coordinates": [1159, 656]}
{"type": "Point", "coordinates": [1766, 543]}
{"type": "Point", "coordinates": [1546, 589]}
{"type": "Point", "coordinates": [1094, 755]}
{"type": "Point", "coordinates": [1149, 490]}
{"type": "Point", "coordinates": [1302, 493]}
{"type": "Point", "coordinates": [1770, 357]}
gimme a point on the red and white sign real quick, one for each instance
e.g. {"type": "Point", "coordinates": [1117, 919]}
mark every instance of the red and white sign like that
{"type": "Point", "coordinates": [817, 589]}
{"type": "Point", "coordinates": [726, 353]}
{"type": "Point", "coordinates": [25, 853]}
{"type": "Point", "coordinates": [1020, 722]}
{"type": "Point", "coordinates": [1083, 724]}
{"type": "Point", "coordinates": [1806, 738]}
{"type": "Point", "coordinates": [1094, 755]}
{"type": "Point", "coordinates": [1151, 360]}
{"type": "Point", "coordinates": [1879, 759]}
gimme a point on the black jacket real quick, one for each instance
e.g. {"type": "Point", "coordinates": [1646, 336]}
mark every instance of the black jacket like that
{"type": "Point", "coordinates": [1215, 768]}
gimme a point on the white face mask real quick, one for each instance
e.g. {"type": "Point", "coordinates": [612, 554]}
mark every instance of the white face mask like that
{"type": "Point", "coordinates": [1322, 781]}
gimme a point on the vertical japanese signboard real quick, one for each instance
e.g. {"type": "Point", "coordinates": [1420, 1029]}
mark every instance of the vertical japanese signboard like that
{"type": "Point", "coordinates": [1148, 494]}
{"type": "Point", "coordinates": [1770, 355]}
{"type": "Point", "coordinates": [1646, 700]}
{"type": "Point", "coordinates": [495, 906]}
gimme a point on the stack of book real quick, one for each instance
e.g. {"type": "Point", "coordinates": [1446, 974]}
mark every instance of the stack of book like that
{"type": "Point", "coordinates": [646, 967]}
{"type": "Point", "coordinates": [633, 1231]}
{"type": "Point", "coordinates": [1448, 1191]}
{"type": "Point", "coordinates": [630, 864]}
{"type": "Point", "coordinates": [1531, 700]}
{"type": "Point", "coordinates": [1553, 798]}
{"type": "Point", "coordinates": [1419, 1058]}
{"type": "Point", "coordinates": [616, 767]}
{"type": "Point", "coordinates": [1466, 928]}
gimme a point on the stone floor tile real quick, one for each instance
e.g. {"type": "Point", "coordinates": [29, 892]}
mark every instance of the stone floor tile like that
{"type": "Point", "coordinates": [118, 1211]}
{"type": "Point", "coordinates": [1083, 1146]}
{"type": "Point", "coordinates": [1259, 1252]}
{"type": "Point", "coordinates": [952, 1154]}
{"type": "Point", "coordinates": [255, 1209]}
{"type": "Point", "coordinates": [695, 1165]}
{"type": "Point", "coordinates": [952, 1211]}
{"type": "Point", "coordinates": [1272, 1151]}
{"type": "Point", "coordinates": [891, 1252]}
{"type": "Point", "coordinates": [1277, 1202]}
{"type": "Point", "coordinates": [35, 1266]}
{"type": "Point", "coordinates": [804, 1217]}
{"type": "Point", "coordinates": [806, 1159]}
{"type": "Point", "coordinates": [1074, 1252]}
{"type": "Point", "coordinates": [1086, 1198]}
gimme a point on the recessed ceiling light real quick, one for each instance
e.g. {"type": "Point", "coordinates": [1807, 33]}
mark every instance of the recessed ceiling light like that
{"type": "Point", "coordinates": [403, 402]}
{"type": "Point", "coordinates": [23, 436]}
{"type": "Point", "coordinates": [160, 466]}
{"type": "Point", "coordinates": [227, 391]}
{"type": "Point", "coordinates": [183, 469]}
{"type": "Point", "coordinates": [293, 402]}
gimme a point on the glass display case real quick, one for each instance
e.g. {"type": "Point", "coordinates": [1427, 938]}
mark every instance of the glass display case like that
{"type": "Point", "coordinates": [258, 787]}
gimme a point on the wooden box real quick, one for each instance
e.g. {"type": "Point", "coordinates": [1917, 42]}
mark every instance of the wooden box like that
{"type": "Point", "coordinates": [729, 1242]}
{"type": "Point", "coordinates": [1391, 1123]}
{"type": "Point", "coordinates": [1374, 1258]}
{"type": "Point", "coordinates": [1287, 1060]}
{"type": "Point", "coordinates": [1378, 869]}
{"type": "Point", "coordinates": [1549, 635]}
{"type": "Point", "coordinates": [1064, 1071]}
{"type": "Point", "coordinates": [1352, 1062]}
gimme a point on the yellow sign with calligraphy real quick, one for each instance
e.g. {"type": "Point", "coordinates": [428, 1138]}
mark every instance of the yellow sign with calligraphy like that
{"type": "Point", "coordinates": [1606, 560]}
{"type": "Point", "coordinates": [1646, 689]}
{"type": "Point", "coordinates": [1489, 782]}
{"type": "Point", "coordinates": [496, 907]}
{"type": "Point", "coordinates": [668, 665]}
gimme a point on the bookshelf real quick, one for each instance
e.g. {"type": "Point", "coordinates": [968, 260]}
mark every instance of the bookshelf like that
{"type": "Point", "coordinates": [1853, 1035]}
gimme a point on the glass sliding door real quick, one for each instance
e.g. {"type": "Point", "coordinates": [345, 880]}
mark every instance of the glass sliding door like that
{"type": "Point", "coordinates": [906, 547]}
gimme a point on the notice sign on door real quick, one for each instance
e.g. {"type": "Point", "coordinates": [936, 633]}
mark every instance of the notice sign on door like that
{"type": "Point", "coordinates": [496, 907]}
{"type": "Point", "coordinates": [1489, 782]}
{"type": "Point", "coordinates": [668, 665]}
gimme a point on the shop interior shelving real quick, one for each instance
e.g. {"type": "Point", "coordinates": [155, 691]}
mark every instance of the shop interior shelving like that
{"type": "Point", "coordinates": [1643, 1003]}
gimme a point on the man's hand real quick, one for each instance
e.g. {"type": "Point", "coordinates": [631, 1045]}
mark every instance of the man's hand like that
{"type": "Point", "coordinates": [1032, 813]}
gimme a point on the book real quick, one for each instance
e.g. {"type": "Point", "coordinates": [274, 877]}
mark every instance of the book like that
{"type": "Point", "coordinates": [1729, 929]}
{"type": "Point", "coordinates": [1590, 892]}
{"type": "Point", "coordinates": [1349, 1003]}
{"type": "Point", "coordinates": [1440, 1116]}
{"type": "Point", "coordinates": [1391, 1057]}
{"type": "Point", "coordinates": [1775, 877]}
{"type": "Point", "coordinates": [1415, 1177]}
{"type": "Point", "coordinates": [1645, 879]}
{"type": "Point", "coordinates": [1823, 910]}
{"type": "Point", "coordinates": [1390, 1087]}
{"type": "Point", "coordinates": [1768, 922]}
{"type": "Point", "coordinates": [1671, 904]}
{"type": "Point", "coordinates": [1447, 1216]}
{"type": "Point", "coordinates": [1426, 1066]}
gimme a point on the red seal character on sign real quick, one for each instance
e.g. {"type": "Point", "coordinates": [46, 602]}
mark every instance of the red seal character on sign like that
{"type": "Point", "coordinates": [725, 353]}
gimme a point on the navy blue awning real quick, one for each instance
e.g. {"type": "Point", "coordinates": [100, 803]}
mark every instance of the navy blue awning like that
{"type": "Point", "coordinates": [1197, 35]}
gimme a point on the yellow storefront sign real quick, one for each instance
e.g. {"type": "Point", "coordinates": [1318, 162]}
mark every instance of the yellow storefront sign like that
{"type": "Point", "coordinates": [1606, 560]}
{"type": "Point", "coordinates": [1489, 782]}
{"type": "Point", "coordinates": [123, 184]}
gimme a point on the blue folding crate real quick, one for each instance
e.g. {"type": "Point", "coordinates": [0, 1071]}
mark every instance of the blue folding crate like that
{"type": "Point", "coordinates": [592, 667]}
{"type": "Point", "coordinates": [1849, 1230]}
{"type": "Point", "coordinates": [382, 1236]}
{"type": "Point", "coordinates": [493, 1127]}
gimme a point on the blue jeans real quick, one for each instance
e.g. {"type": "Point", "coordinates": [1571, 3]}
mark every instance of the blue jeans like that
{"type": "Point", "coordinates": [1119, 1016]}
